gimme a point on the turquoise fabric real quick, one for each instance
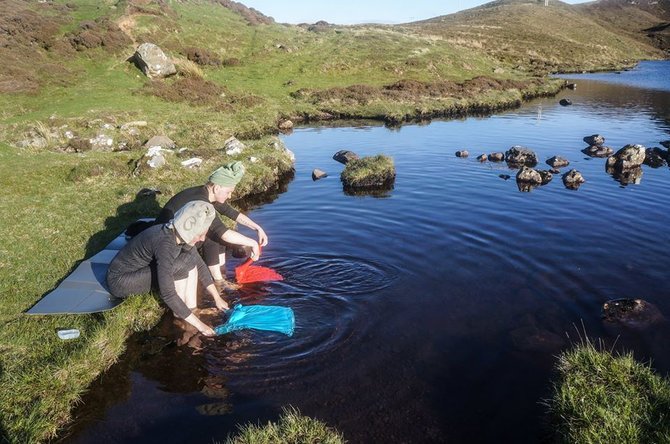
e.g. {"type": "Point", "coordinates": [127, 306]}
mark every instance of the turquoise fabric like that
{"type": "Point", "coordinates": [259, 317]}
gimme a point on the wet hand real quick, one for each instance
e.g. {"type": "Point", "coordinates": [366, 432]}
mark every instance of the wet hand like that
{"type": "Point", "coordinates": [255, 252]}
{"type": "Point", "coordinates": [208, 331]}
{"type": "Point", "coordinates": [222, 305]}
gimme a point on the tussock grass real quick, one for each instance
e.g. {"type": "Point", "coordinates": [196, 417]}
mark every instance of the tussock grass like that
{"type": "Point", "coordinates": [292, 428]}
{"type": "Point", "coordinates": [605, 398]}
{"type": "Point", "coordinates": [368, 172]}
{"type": "Point", "coordinates": [188, 68]}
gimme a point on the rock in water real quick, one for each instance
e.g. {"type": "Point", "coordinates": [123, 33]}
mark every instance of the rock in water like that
{"type": "Point", "coordinates": [558, 162]}
{"type": "Point", "coordinates": [345, 156]}
{"type": "Point", "coordinates": [628, 157]}
{"type": "Point", "coordinates": [595, 139]}
{"type": "Point", "coordinates": [318, 174]}
{"type": "Point", "coordinates": [573, 179]}
{"type": "Point", "coordinates": [519, 155]}
{"type": "Point", "coordinates": [633, 313]}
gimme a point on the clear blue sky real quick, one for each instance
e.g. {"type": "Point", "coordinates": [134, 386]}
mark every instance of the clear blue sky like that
{"type": "Point", "coordinates": [347, 12]}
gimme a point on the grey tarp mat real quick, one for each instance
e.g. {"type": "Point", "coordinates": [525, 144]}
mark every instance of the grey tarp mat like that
{"type": "Point", "coordinates": [85, 289]}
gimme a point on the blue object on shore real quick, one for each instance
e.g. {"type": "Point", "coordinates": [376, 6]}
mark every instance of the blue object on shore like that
{"type": "Point", "coordinates": [85, 289]}
{"type": "Point", "coordinates": [259, 317]}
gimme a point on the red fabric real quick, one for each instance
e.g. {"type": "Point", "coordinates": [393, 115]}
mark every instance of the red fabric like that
{"type": "Point", "coordinates": [247, 273]}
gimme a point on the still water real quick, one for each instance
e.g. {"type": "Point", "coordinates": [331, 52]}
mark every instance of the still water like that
{"type": "Point", "coordinates": [432, 312]}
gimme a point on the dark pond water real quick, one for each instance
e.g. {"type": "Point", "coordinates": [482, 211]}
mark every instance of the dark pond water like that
{"type": "Point", "coordinates": [432, 312]}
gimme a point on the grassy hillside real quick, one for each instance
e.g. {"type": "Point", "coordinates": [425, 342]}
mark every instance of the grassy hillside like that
{"type": "Point", "coordinates": [533, 38]}
{"type": "Point", "coordinates": [66, 79]}
{"type": "Point", "coordinates": [645, 20]}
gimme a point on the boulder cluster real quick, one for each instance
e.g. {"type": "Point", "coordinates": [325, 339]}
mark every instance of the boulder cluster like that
{"type": "Point", "coordinates": [624, 165]}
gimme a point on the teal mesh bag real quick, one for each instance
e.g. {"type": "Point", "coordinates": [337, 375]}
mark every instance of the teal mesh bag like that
{"type": "Point", "coordinates": [259, 317]}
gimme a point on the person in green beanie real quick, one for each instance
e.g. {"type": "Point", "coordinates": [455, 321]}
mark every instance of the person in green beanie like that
{"type": "Point", "coordinates": [217, 191]}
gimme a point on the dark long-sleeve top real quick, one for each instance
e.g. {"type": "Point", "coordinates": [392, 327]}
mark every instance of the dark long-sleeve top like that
{"type": "Point", "coordinates": [198, 193]}
{"type": "Point", "coordinates": [159, 244]}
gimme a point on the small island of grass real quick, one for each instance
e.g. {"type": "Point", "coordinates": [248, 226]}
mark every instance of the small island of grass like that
{"type": "Point", "coordinates": [369, 172]}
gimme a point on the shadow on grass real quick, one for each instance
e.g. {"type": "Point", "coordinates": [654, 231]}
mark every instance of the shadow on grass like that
{"type": "Point", "coordinates": [144, 205]}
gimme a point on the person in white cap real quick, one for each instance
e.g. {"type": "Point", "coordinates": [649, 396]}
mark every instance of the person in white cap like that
{"type": "Point", "coordinates": [163, 256]}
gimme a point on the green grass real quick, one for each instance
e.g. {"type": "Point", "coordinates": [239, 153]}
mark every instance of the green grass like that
{"type": "Point", "coordinates": [57, 209]}
{"type": "Point", "coordinates": [604, 398]}
{"type": "Point", "coordinates": [292, 428]}
{"type": "Point", "coordinates": [366, 172]}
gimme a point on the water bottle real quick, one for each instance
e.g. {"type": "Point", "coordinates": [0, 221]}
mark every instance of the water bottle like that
{"type": "Point", "coordinates": [72, 333]}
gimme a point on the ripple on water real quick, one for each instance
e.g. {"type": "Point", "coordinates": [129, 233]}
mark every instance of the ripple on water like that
{"type": "Point", "coordinates": [319, 290]}
{"type": "Point", "coordinates": [331, 274]}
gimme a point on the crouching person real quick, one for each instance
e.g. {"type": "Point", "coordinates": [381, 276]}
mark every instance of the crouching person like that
{"type": "Point", "coordinates": [163, 256]}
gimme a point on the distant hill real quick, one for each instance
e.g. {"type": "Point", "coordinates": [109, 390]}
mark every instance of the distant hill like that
{"type": "Point", "coordinates": [557, 37]}
{"type": "Point", "coordinates": [644, 20]}
{"type": "Point", "coordinates": [238, 66]}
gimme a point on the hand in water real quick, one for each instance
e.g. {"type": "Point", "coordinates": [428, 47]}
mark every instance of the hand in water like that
{"type": "Point", "coordinates": [208, 331]}
{"type": "Point", "coordinates": [255, 252]}
{"type": "Point", "coordinates": [222, 305]}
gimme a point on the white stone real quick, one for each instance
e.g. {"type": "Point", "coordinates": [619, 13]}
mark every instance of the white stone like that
{"type": "Point", "coordinates": [193, 162]}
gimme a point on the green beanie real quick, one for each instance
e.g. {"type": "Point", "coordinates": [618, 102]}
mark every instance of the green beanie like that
{"type": "Point", "coordinates": [228, 175]}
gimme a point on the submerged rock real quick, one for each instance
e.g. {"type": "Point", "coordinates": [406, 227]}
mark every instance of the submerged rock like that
{"type": "Point", "coordinates": [345, 156]}
{"type": "Point", "coordinates": [462, 153]}
{"type": "Point", "coordinates": [565, 102]}
{"type": "Point", "coordinates": [595, 139]}
{"type": "Point", "coordinates": [534, 339]}
{"type": "Point", "coordinates": [573, 179]}
{"type": "Point", "coordinates": [519, 155]}
{"type": "Point", "coordinates": [633, 313]}
{"type": "Point", "coordinates": [665, 143]}
{"type": "Point", "coordinates": [558, 162]}
{"type": "Point", "coordinates": [630, 156]}
{"type": "Point", "coordinates": [504, 176]}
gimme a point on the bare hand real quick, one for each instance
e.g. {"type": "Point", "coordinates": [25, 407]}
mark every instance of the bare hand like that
{"type": "Point", "coordinates": [262, 237]}
{"type": "Point", "coordinates": [221, 304]}
{"type": "Point", "coordinates": [255, 252]}
{"type": "Point", "coordinates": [208, 331]}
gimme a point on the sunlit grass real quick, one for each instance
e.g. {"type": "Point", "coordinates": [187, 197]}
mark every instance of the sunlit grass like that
{"type": "Point", "coordinates": [291, 428]}
{"type": "Point", "coordinates": [604, 398]}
